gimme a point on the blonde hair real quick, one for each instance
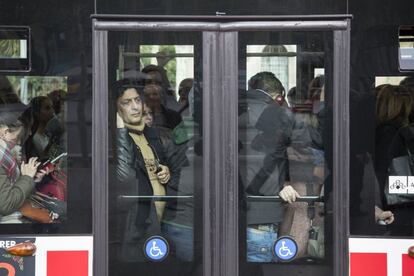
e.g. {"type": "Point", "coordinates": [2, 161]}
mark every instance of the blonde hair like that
{"type": "Point", "coordinates": [394, 103]}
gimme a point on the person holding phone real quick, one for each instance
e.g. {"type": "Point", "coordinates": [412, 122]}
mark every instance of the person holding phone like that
{"type": "Point", "coordinates": [17, 177]}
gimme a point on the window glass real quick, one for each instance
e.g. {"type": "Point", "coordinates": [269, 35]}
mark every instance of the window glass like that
{"type": "Point", "coordinates": [284, 149]}
{"type": "Point", "coordinates": [155, 153]}
{"type": "Point", "coordinates": [34, 150]}
{"type": "Point", "coordinates": [389, 171]}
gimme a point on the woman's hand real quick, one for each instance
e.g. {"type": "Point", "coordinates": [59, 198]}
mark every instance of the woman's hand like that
{"type": "Point", "coordinates": [30, 168]}
{"type": "Point", "coordinates": [40, 174]}
{"type": "Point", "coordinates": [164, 175]}
{"type": "Point", "coordinates": [289, 194]}
{"type": "Point", "coordinates": [382, 216]}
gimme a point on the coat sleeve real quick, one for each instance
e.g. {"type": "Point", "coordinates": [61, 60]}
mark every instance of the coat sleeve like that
{"type": "Point", "coordinates": [175, 159]}
{"type": "Point", "coordinates": [125, 165]}
{"type": "Point", "coordinates": [13, 196]}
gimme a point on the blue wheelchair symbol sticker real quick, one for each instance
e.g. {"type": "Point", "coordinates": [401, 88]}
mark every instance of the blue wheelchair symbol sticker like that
{"type": "Point", "coordinates": [285, 249]}
{"type": "Point", "coordinates": [156, 248]}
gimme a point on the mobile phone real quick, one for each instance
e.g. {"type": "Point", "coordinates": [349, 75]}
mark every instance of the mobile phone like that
{"type": "Point", "coordinates": [50, 163]}
{"type": "Point", "coordinates": [157, 165]}
{"type": "Point", "coordinates": [381, 222]}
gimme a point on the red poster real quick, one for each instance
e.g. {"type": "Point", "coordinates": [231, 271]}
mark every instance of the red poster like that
{"type": "Point", "coordinates": [67, 263]}
{"type": "Point", "coordinates": [407, 265]}
{"type": "Point", "coordinates": [368, 264]}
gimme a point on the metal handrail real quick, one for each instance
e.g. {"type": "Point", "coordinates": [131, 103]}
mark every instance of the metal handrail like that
{"type": "Point", "coordinates": [249, 198]}
{"type": "Point", "coordinates": [156, 198]}
{"type": "Point", "coordinates": [278, 198]}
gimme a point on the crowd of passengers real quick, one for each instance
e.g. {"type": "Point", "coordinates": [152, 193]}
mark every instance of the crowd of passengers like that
{"type": "Point", "coordinates": [282, 133]}
{"type": "Point", "coordinates": [31, 135]}
{"type": "Point", "coordinates": [394, 143]}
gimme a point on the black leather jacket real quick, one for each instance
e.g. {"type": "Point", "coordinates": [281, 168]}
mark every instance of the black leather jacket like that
{"type": "Point", "coordinates": [132, 179]}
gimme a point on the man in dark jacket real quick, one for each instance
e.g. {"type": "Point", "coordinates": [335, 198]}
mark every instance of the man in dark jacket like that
{"type": "Point", "coordinates": [265, 128]}
{"type": "Point", "coordinates": [140, 169]}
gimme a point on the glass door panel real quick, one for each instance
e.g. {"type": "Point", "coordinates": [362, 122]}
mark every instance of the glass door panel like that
{"type": "Point", "coordinates": [285, 136]}
{"type": "Point", "coordinates": [262, 101]}
{"type": "Point", "coordinates": [155, 156]}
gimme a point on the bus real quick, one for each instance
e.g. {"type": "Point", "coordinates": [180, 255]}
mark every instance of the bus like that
{"type": "Point", "coordinates": [206, 138]}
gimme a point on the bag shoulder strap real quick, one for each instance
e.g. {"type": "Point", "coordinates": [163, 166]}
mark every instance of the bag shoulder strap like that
{"type": "Point", "coordinates": [311, 205]}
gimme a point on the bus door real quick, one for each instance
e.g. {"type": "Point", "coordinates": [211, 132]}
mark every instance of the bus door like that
{"type": "Point", "coordinates": [220, 145]}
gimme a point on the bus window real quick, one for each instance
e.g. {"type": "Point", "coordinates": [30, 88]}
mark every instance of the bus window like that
{"type": "Point", "coordinates": [391, 163]}
{"type": "Point", "coordinates": [33, 146]}
{"type": "Point", "coordinates": [155, 152]}
{"type": "Point", "coordinates": [283, 152]}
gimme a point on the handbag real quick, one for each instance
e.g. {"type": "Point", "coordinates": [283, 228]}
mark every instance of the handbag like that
{"type": "Point", "coordinates": [400, 166]}
{"type": "Point", "coordinates": [34, 213]}
{"type": "Point", "coordinates": [54, 185]}
{"type": "Point", "coordinates": [316, 241]}
{"type": "Point", "coordinates": [54, 205]}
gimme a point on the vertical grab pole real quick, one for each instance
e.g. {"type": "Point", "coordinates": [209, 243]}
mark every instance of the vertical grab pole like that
{"type": "Point", "coordinates": [100, 152]}
{"type": "Point", "coordinates": [341, 149]}
{"type": "Point", "coordinates": [220, 150]}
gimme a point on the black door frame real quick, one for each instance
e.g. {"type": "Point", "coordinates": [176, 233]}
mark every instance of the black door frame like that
{"type": "Point", "coordinates": [220, 141]}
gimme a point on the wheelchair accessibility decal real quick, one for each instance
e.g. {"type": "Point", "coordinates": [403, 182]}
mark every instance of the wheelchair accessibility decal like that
{"type": "Point", "coordinates": [156, 248]}
{"type": "Point", "coordinates": [285, 249]}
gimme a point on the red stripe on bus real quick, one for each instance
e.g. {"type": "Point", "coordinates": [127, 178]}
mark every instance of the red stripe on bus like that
{"type": "Point", "coordinates": [407, 265]}
{"type": "Point", "coordinates": [368, 264]}
{"type": "Point", "coordinates": [67, 263]}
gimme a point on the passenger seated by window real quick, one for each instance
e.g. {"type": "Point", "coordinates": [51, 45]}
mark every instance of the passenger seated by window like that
{"type": "Point", "coordinates": [46, 130]}
{"type": "Point", "coordinates": [17, 177]}
{"type": "Point", "coordinates": [394, 137]}
{"type": "Point", "coordinates": [141, 168]}
{"type": "Point", "coordinates": [46, 142]}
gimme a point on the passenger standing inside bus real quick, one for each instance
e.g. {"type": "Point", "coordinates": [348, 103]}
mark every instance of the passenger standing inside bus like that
{"type": "Point", "coordinates": [268, 125]}
{"type": "Point", "coordinates": [158, 75]}
{"type": "Point", "coordinates": [141, 168]}
{"type": "Point", "coordinates": [176, 226]}
{"type": "Point", "coordinates": [184, 89]}
{"type": "Point", "coordinates": [162, 115]}
{"type": "Point", "coordinates": [306, 166]}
